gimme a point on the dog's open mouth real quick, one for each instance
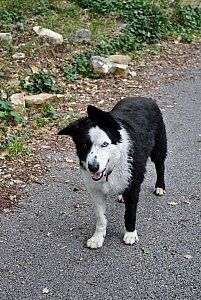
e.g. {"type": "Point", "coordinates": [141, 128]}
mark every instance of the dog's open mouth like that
{"type": "Point", "coordinates": [97, 176]}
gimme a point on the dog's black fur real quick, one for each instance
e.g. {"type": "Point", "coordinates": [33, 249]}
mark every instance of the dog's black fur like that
{"type": "Point", "coordinates": [142, 118]}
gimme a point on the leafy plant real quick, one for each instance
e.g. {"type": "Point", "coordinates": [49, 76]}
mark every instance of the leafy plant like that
{"type": "Point", "coordinates": [39, 82]}
{"type": "Point", "coordinates": [16, 146]}
{"type": "Point", "coordinates": [11, 15]}
{"type": "Point", "coordinates": [5, 108]}
{"type": "Point", "coordinates": [49, 111]}
{"type": "Point", "coordinates": [6, 113]}
{"type": "Point", "coordinates": [146, 22]}
{"type": "Point", "coordinates": [99, 6]}
{"type": "Point", "coordinates": [146, 250]}
{"type": "Point", "coordinates": [66, 119]}
{"type": "Point", "coordinates": [42, 121]}
{"type": "Point", "coordinates": [44, 116]}
{"type": "Point", "coordinates": [79, 66]}
{"type": "Point", "coordinates": [13, 10]}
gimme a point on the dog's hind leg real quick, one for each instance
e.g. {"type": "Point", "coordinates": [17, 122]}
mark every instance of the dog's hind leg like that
{"type": "Point", "coordinates": [96, 241]}
{"type": "Point", "coordinates": [158, 156]}
{"type": "Point", "coordinates": [131, 197]}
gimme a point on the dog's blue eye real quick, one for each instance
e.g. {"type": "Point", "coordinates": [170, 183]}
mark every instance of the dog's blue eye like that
{"type": "Point", "coordinates": [105, 144]}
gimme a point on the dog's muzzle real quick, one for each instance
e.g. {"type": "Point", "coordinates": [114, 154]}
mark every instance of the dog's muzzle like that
{"type": "Point", "coordinates": [93, 168]}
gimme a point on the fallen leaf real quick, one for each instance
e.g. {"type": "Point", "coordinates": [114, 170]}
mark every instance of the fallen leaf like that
{"type": "Point", "coordinates": [173, 203]}
{"type": "Point", "coordinates": [188, 256]}
{"type": "Point", "coordinates": [45, 290]}
{"type": "Point", "coordinates": [71, 228]}
{"type": "Point", "coordinates": [146, 250]}
{"type": "Point", "coordinates": [6, 210]}
{"type": "Point", "coordinates": [33, 178]}
{"type": "Point", "coordinates": [63, 247]}
{"type": "Point", "coordinates": [170, 106]}
{"type": "Point", "coordinates": [45, 147]}
{"type": "Point", "coordinates": [17, 181]}
{"type": "Point", "coordinates": [67, 181]}
{"type": "Point", "coordinates": [3, 154]}
{"type": "Point", "coordinates": [13, 197]}
{"type": "Point", "coordinates": [35, 69]}
{"type": "Point", "coordinates": [7, 176]}
{"type": "Point", "coordinates": [69, 160]}
{"type": "Point", "coordinates": [186, 202]}
{"type": "Point", "coordinates": [76, 168]}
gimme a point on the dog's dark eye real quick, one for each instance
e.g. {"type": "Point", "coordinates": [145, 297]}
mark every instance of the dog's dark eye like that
{"type": "Point", "coordinates": [105, 144]}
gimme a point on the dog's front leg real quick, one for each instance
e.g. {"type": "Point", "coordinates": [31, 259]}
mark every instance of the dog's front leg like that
{"type": "Point", "coordinates": [96, 241]}
{"type": "Point", "coordinates": [131, 197]}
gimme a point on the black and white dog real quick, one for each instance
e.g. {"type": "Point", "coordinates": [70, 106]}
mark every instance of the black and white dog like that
{"type": "Point", "coordinates": [113, 148]}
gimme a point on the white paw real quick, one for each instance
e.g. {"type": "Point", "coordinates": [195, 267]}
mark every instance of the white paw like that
{"type": "Point", "coordinates": [120, 199]}
{"type": "Point", "coordinates": [96, 241]}
{"type": "Point", "coordinates": [130, 237]}
{"type": "Point", "coordinates": [159, 191]}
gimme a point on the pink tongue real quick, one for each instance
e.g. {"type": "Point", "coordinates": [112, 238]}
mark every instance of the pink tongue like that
{"type": "Point", "coordinates": [97, 175]}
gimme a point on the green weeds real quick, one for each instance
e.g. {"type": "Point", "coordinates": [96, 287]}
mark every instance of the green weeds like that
{"type": "Point", "coordinates": [79, 66]}
{"type": "Point", "coordinates": [8, 114]}
{"type": "Point", "coordinates": [16, 146]}
{"type": "Point", "coordinates": [146, 22]}
{"type": "Point", "coordinates": [39, 82]}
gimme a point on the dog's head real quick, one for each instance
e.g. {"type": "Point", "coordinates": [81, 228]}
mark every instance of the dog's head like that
{"type": "Point", "coordinates": [98, 141]}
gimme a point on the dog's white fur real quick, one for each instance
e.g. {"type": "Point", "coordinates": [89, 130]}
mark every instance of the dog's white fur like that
{"type": "Point", "coordinates": [115, 158]}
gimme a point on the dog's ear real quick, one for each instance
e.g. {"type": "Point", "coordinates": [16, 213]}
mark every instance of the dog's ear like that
{"type": "Point", "coordinates": [102, 118]}
{"type": "Point", "coordinates": [71, 129]}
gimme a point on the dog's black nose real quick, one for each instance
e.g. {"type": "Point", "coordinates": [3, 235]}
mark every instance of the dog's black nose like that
{"type": "Point", "coordinates": [93, 167]}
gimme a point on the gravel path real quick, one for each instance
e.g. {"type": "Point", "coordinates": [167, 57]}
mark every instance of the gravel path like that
{"type": "Point", "coordinates": [43, 241]}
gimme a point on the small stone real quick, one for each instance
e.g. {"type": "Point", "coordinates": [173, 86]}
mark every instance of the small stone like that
{"type": "Point", "coordinates": [132, 73]}
{"type": "Point", "coordinates": [120, 59]}
{"type": "Point", "coordinates": [82, 35]}
{"type": "Point", "coordinates": [18, 103]}
{"type": "Point", "coordinates": [4, 96]}
{"type": "Point", "coordinates": [46, 291]}
{"type": "Point", "coordinates": [102, 66]}
{"type": "Point", "coordinates": [4, 154]}
{"type": "Point", "coordinates": [20, 26]}
{"type": "Point", "coordinates": [122, 70]}
{"type": "Point", "coordinates": [14, 83]}
{"type": "Point", "coordinates": [44, 32]}
{"type": "Point", "coordinates": [43, 99]}
{"type": "Point", "coordinates": [18, 55]}
{"type": "Point", "coordinates": [6, 210]}
{"type": "Point", "coordinates": [5, 37]}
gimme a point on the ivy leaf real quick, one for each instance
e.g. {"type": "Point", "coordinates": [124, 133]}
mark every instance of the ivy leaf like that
{"type": "Point", "coordinates": [146, 250]}
{"type": "Point", "coordinates": [16, 116]}
{"type": "Point", "coordinates": [3, 114]}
